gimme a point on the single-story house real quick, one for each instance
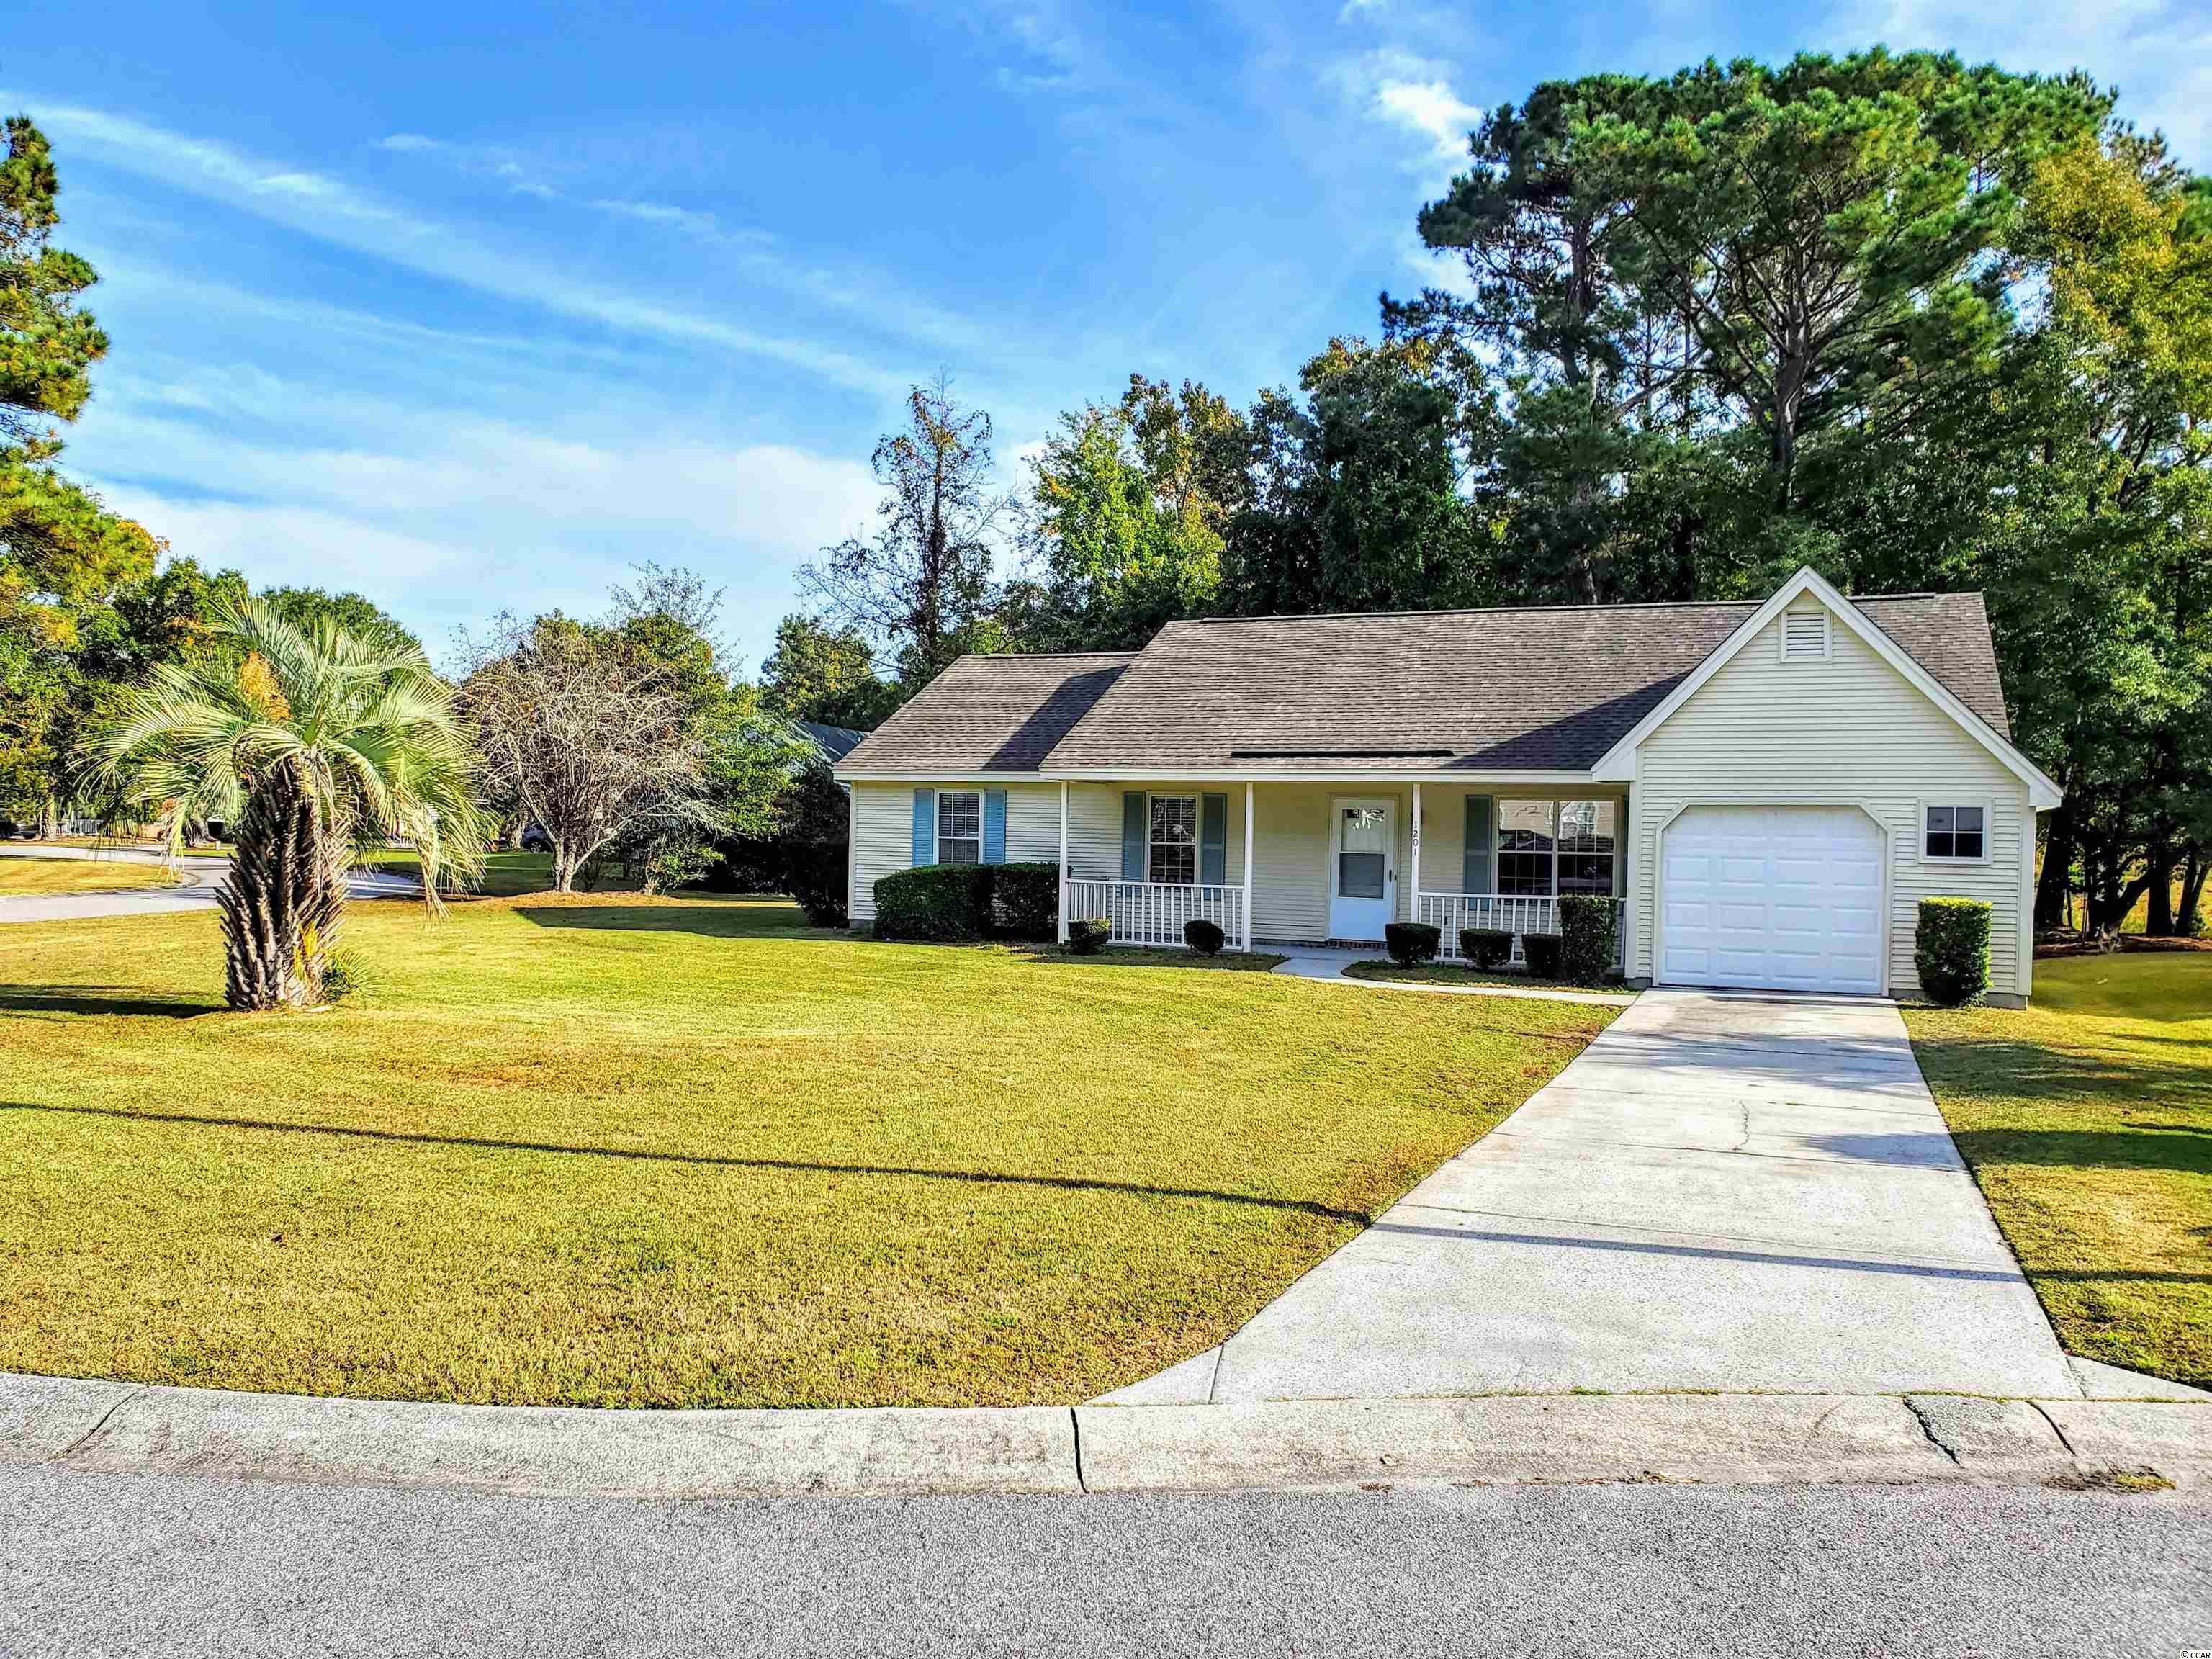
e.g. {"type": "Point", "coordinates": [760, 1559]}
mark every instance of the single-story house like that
{"type": "Point", "coordinates": [1771, 787]}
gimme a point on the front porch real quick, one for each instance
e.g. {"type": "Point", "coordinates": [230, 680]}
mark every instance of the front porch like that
{"type": "Point", "coordinates": [1280, 863]}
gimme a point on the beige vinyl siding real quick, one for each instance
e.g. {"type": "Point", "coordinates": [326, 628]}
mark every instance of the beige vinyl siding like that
{"type": "Point", "coordinates": [1847, 731]}
{"type": "Point", "coordinates": [1094, 826]}
{"type": "Point", "coordinates": [883, 831]}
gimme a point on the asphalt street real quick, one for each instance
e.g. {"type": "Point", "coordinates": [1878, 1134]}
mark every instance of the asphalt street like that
{"type": "Point", "coordinates": [111, 1565]}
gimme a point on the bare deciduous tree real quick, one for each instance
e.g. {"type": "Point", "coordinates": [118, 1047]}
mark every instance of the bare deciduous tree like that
{"type": "Point", "coordinates": [585, 737]}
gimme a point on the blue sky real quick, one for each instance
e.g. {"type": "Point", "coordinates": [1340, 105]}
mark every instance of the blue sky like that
{"type": "Point", "coordinates": [473, 307]}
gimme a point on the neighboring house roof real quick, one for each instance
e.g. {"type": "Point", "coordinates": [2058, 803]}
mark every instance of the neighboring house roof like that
{"type": "Point", "coordinates": [1504, 691]}
{"type": "Point", "coordinates": [1002, 714]}
{"type": "Point", "coordinates": [835, 742]}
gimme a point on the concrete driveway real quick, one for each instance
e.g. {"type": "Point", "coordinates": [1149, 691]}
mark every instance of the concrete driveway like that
{"type": "Point", "coordinates": [1726, 1190]}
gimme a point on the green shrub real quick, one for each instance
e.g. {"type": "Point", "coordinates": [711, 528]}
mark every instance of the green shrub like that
{"type": "Point", "coordinates": [1025, 900]}
{"type": "Point", "coordinates": [1410, 943]}
{"type": "Point", "coordinates": [942, 901]}
{"type": "Point", "coordinates": [1951, 950]}
{"type": "Point", "coordinates": [1588, 927]}
{"type": "Point", "coordinates": [1203, 937]}
{"type": "Point", "coordinates": [1087, 935]}
{"type": "Point", "coordinates": [1486, 947]}
{"type": "Point", "coordinates": [1542, 950]}
{"type": "Point", "coordinates": [814, 875]}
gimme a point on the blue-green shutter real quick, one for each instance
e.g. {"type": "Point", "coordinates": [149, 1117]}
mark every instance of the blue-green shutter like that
{"type": "Point", "coordinates": [925, 827]}
{"type": "Point", "coordinates": [1213, 840]}
{"type": "Point", "coordinates": [1133, 834]}
{"type": "Point", "coordinates": [995, 826]}
{"type": "Point", "coordinates": [1476, 865]}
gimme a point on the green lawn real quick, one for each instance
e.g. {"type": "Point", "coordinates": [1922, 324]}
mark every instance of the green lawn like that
{"type": "Point", "coordinates": [507, 874]}
{"type": "Point", "coordinates": [686, 1152]}
{"type": "Point", "coordinates": [2087, 1118]}
{"type": "Point", "coordinates": [24, 876]}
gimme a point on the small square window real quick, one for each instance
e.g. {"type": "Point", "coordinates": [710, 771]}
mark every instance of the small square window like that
{"type": "Point", "coordinates": [1955, 832]}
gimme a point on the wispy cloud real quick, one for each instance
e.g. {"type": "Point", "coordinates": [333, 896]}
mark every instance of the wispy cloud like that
{"type": "Point", "coordinates": [1430, 109]}
{"type": "Point", "coordinates": [327, 208]}
{"type": "Point", "coordinates": [659, 213]}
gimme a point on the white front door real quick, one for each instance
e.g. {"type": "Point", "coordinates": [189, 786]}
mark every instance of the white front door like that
{"type": "Point", "coordinates": [1771, 897]}
{"type": "Point", "coordinates": [1363, 867]}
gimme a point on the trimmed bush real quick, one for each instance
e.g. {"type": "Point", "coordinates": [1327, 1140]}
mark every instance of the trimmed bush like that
{"type": "Point", "coordinates": [815, 875]}
{"type": "Point", "coordinates": [1410, 943]}
{"type": "Point", "coordinates": [1486, 947]}
{"type": "Point", "coordinates": [1951, 950]}
{"type": "Point", "coordinates": [1542, 950]}
{"type": "Point", "coordinates": [941, 902]}
{"type": "Point", "coordinates": [1203, 936]}
{"type": "Point", "coordinates": [1588, 927]}
{"type": "Point", "coordinates": [1087, 935]}
{"type": "Point", "coordinates": [1025, 900]}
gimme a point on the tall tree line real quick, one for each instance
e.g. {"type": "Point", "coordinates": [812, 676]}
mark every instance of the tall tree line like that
{"type": "Point", "coordinates": [1919, 324]}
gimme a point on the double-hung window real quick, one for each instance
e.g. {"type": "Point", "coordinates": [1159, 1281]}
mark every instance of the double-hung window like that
{"type": "Point", "coordinates": [1955, 832]}
{"type": "Point", "coordinates": [1526, 847]}
{"type": "Point", "coordinates": [1586, 844]}
{"type": "Point", "coordinates": [960, 826]}
{"type": "Point", "coordinates": [1171, 839]}
{"type": "Point", "coordinates": [1546, 848]}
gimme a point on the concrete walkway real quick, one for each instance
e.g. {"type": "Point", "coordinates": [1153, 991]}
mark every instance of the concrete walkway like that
{"type": "Point", "coordinates": [1327, 966]}
{"type": "Point", "coordinates": [1730, 1191]}
{"type": "Point", "coordinates": [201, 876]}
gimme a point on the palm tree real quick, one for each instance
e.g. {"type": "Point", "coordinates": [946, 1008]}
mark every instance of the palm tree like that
{"type": "Point", "coordinates": [309, 741]}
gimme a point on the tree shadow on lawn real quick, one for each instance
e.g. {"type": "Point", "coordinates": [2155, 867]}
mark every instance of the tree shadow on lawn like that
{"type": "Point", "coordinates": [708, 919]}
{"type": "Point", "coordinates": [710, 1160]}
{"type": "Point", "coordinates": [100, 999]}
{"type": "Point", "coordinates": [2029, 1070]}
{"type": "Point", "coordinates": [2131, 1146]}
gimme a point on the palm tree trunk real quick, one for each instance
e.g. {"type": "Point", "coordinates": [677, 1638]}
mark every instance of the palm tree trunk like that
{"type": "Point", "coordinates": [285, 896]}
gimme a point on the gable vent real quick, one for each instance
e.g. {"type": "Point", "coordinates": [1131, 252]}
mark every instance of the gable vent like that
{"type": "Point", "coordinates": [1804, 636]}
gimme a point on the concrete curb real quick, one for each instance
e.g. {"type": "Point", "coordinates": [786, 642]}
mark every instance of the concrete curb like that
{"type": "Point", "coordinates": [1736, 1439]}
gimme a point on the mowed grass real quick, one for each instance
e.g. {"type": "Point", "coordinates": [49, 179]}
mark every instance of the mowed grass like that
{"type": "Point", "coordinates": [611, 1151]}
{"type": "Point", "coordinates": [507, 873]}
{"type": "Point", "coordinates": [2087, 1118]}
{"type": "Point", "coordinates": [21, 876]}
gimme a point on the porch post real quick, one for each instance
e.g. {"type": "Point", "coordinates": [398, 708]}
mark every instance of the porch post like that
{"type": "Point", "coordinates": [1247, 864]}
{"type": "Point", "coordinates": [1063, 861]}
{"type": "Point", "coordinates": [1414, 909]}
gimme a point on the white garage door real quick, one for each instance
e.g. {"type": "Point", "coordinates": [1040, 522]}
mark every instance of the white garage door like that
{"type": "Point", "coordinates": [1771, 897]}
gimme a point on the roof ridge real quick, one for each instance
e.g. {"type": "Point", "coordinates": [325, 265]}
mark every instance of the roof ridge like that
{"type": "Point", "coordinates": [1044, 656]}
{"type": "Point", "coordinates": [1522, 610]}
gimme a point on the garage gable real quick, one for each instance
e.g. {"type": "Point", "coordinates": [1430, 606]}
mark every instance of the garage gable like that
{"type": "Point", "coordinates": [1805, 595]}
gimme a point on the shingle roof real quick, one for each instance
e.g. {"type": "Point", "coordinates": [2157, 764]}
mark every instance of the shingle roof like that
{"type": "Point", "coordinates": [834, 741]}
{"type": "Point", "coordinates": [1547, 689]}
{"type": "Point", "coordinates": [989, 715]}
{"type": "Point", "coordinates": [1480, 690]}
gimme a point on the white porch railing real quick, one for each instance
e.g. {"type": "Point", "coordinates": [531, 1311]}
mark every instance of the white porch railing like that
{"type": "Point", "coordinates": [1153, 912]}
{"type": "Point", "coordinates": [1505, 913]}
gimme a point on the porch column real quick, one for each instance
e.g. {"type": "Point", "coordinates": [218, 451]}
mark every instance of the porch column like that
{"type": "Point", "coordinates": [1247, 864]}
{"type": "Point", "coordinates": [1063, 862]}
{"type": "Point", "coordinates": [1414, 909]}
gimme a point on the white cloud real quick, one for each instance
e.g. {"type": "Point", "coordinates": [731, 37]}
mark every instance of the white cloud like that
{"type": "Point", "coordinates": [476, 516]}
{"type": "Point", "coordinates": [2158, 52]}
{"type": "Point", "coordinates": [1432, 109]}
